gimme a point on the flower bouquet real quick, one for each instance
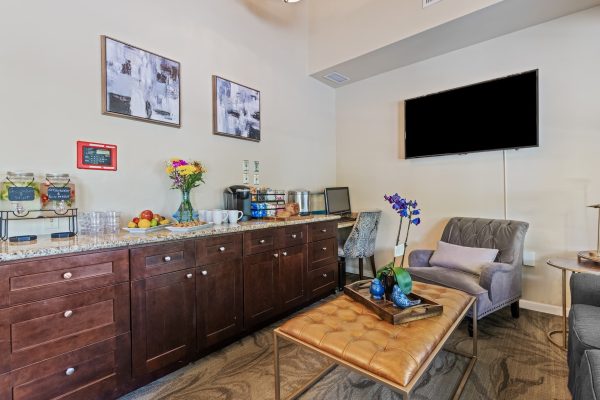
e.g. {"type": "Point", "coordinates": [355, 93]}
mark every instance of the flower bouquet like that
{"type": "Point", "coordinates": [185, 176]}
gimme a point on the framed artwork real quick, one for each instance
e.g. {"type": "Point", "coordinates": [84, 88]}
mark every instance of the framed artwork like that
{"type": "Point", "coordinates": [139, 84]}
{"type": "Point", "coordinates": [236, 110]}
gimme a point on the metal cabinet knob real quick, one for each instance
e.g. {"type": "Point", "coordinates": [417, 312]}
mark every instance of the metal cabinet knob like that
{"type": "Point", "coordinates": [70, 371]}
{"type": "Point", "coordinates": [294, 236]}
{"type": "Point", "coordinates": [275, 255]}
{"type": "Point", "coordinates": [324, 230]}
{"type": "Point", "coordinates": [222, 249]}
{"type": "Point", "coordinates": [167, 258]}
{"type": "Point", "coordinates": [67, 275]}
{"type": "Point", "coordinates": [284, 253]}
{"type": "Point", "coordinates": [189, 276]}
{"type": "Point", "coordinates": [324, 275]}
{"type": "Point", "coordinates": [68, 313]}
{"type": "Point", "coordinates": [261, 241]}
{"type": "Point", "coordinates": [204, 273]}
{"type": "Point", "coordinates": [324, 249]}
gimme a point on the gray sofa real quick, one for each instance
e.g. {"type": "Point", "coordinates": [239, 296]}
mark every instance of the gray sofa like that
{"type": "Point", "coordinates": [584, 337]}
{"type": "Point", "coordinates": [499, 284]}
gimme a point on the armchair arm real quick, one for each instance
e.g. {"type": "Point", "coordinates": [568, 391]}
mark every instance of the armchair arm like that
{"type": "Point", "coordinates": [585, 289]}
{"type": "Point", "coordinates": [495, 272]}
{"type": "Point", "coordinates": [419, 258]}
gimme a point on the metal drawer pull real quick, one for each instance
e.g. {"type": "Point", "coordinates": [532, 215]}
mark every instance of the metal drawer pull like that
{"type": "Point", "coordinates": [222, 248]}
{"type": "Point", "coordinates": [68, 313]}
{"type": "Point", "coordinates": [204, 273]}
{"type": "Point", "coordinates": [67, 275]}
{"type": "Point", "coordinates": [294, 236]}
{"type": "Point", "coordinates": [189, 276]}
{"type": "Point", "coordinates": [284, 253]}
{"type": "Point", "coordinates": [324, 275]}
{"type": "Point", "coordinates": [324, 249]}
{"type": "Point", "coordinates": [275, 255]}
{"type": "Point", "coordinates": [167, 258]}
{"type": "Point", "coordinates": [70, 371]}
{"type": "Point", "coordinates": [324, 230]}
{"type": "Point", "coordinates": [261, 241]}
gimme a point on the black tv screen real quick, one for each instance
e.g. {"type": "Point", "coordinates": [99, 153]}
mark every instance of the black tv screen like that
{"type": "Point", "coordinates": [493, 115]}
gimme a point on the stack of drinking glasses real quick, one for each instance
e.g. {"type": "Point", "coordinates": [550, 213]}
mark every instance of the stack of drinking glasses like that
{"type": "Point", "coordinates": [99, 222]}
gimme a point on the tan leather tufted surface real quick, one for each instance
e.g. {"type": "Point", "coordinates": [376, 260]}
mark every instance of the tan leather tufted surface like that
{"type": "Point", "coordinates": [348, 330]}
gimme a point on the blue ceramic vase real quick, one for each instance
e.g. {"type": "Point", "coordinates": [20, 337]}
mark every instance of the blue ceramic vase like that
{"type": "Point", "coordinates": [401, 300]}
{"type": "Point", "coordinates": [377, 290]}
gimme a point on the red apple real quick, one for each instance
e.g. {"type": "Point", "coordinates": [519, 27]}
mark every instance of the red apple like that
{"type": "Point", "coordinates": [136, 220]}
{"type": "Point", "coordinates": [147, 214]}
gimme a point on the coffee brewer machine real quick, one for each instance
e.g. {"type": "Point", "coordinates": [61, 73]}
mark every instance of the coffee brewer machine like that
{"type": "Point", "coordinates": [238, 197]}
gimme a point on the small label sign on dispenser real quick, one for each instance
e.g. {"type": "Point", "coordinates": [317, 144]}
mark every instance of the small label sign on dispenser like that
{"type": "Point", "coordinates": [20, 193]}
{"type": "Point", "coordinates": [59, 193]}
{"type": "Point", "coordinates": [98, 156]}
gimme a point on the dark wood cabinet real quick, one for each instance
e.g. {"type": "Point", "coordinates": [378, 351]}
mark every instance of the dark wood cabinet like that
{"type": "Point", "coordinates": [260, 287]}
{"type": "Point", "coordinates": [292, 277]}
{"type": "Point", "coordinates": [98, 371]}
{"type": "Point", "coordinates": [163, 321]}
{"type": "Point", "coordinates": [100, 323]}
{"type": "Point", "coordinates": [219, 296]}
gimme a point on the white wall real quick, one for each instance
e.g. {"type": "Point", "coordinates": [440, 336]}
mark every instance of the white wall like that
{"type": "Point", "coordinates": [341, 30]}
{"type": "Point", "coordinates": [50, 70]}
{"type": "Point", "coordinates": [549, 186]}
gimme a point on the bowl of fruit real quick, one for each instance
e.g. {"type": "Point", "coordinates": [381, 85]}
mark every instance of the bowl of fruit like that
{"type": "Point", "coordinates": [146, 222]}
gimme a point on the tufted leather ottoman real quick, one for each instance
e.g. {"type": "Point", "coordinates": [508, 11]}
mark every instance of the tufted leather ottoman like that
{"type": "Point", "coordinates": [396, 355]}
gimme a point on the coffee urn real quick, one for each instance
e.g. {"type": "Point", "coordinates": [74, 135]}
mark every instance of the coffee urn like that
{"type": "Point", "coordinates": [302, 197]}
{"type": "Point", "coordinates": [238, 197]}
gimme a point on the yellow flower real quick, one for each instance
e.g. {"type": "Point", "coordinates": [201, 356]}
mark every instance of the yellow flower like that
{"type": "Point", "coordinates": [185, 170]}
{"type": "Point", "coordinates": [170, 170]}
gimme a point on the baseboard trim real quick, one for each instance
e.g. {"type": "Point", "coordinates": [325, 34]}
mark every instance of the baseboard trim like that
{"type": "Point", "coordinates": [541, 307]}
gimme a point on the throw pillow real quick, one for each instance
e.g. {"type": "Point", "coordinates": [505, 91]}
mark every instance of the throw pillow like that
{"type": "Point", "coordinates": [467, 259]}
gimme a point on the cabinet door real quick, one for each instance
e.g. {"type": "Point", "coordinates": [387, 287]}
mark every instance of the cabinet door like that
{"type": "Point", "coordinates": [292, 276]}
{"type": "Point", "coordinates": [163, 320]}
{"type": "Point", "coordinates": [260, 287]}
{"type": "Point", "coordinates": [219, 296]}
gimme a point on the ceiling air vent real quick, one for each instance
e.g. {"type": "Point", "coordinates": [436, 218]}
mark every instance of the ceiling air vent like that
{"type": "Point", "coordinates": [427, 3]}
{"type": "Point", "coordinates": [336, 77]}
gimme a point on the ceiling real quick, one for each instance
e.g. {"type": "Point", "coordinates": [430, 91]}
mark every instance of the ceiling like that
{"type": "Point", "coordinates": [496, 20]}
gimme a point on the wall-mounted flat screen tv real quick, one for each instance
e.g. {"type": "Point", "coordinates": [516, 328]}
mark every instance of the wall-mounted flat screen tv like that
{"type": "Point", "coordinates": [492, 115]}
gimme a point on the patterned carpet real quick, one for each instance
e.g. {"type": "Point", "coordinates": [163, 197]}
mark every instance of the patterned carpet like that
{"type": "Point", "coordinates": [515, 362]}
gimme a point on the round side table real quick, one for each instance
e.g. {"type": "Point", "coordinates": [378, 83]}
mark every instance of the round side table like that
{"type": "Point", "coordinates": [575, 266]}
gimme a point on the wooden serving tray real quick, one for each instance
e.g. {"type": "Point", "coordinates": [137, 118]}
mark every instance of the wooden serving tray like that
{"type": "Point", "coordinates": [385, 309]}
{"type": "Point", "coordinates": [292, 218]}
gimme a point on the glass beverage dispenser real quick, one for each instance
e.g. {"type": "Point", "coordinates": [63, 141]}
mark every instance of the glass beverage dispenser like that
{"type": "Point", "coordinates": [20, 194]}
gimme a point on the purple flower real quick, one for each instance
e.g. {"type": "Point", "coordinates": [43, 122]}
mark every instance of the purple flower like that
{"type": "Point", "coordinates": [416, 212]}
{"type": "Point", "coordinates": [416, 221]}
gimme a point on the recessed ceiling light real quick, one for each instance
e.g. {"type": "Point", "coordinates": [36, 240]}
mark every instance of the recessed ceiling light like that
{"type": "Point", "coordinates": [291, 1]}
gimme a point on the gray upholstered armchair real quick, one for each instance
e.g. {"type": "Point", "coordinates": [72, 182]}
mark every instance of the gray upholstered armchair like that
{"type": "Point", "coordinates": [583, 356]}
{"type": "Point", "coordinates": [499, 283]}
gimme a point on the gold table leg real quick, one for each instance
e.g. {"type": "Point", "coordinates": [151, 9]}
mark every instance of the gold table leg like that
{"type": "Point", "coordinates": [564, 330]}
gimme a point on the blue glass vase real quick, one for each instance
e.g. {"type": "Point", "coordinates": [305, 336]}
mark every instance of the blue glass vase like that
{"type": "Point", "coordinates": [377, 290]}
{"type": "Point", "coordinates": [185, 212]}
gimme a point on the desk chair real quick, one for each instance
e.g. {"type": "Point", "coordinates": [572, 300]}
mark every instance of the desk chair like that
{"type": "Point", "coordinates": [360, 244]}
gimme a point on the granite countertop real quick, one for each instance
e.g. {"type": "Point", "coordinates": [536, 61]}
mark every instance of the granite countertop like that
{"type": "Point", "coordinates": [45, 246]}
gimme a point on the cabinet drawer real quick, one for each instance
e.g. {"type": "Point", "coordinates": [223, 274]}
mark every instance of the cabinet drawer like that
{"type": "Point", "coordinates": [322, 230]}
{"type": "Point", "coordinates": [99, 371]}
{"type": "Point", "coordinates": [322, 253]}
{"type": "Point", "coordinates": [160, 259]}
{"type": "Point", "coordinates": [218, 249]}
{"type": "Point", "coordinates": [48, 328]}
{"type": "Point", "coordinates": [322, 280]}
{"type": "Point", "coordinates": [259, 241]}
{"type": "Point", "coordinates": [51, 277]}
{"type": "Point", "coordinates": [289, 236]}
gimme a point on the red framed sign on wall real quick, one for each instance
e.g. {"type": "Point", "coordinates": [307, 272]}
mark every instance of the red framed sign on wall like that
{"type": "Point", "coordinates": [99, 156]}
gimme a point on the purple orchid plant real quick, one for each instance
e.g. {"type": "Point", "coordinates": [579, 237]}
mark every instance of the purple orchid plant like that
{"type": "Point", "coordinates": [406, 209]}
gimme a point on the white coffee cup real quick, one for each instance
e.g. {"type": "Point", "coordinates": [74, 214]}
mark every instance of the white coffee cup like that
{"type": "Point", "coordinates": [219, 216]}
{"type": "Point", "coordinates": [234, 216]}
{"type": "Point", "coordinates": [204, 215]}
